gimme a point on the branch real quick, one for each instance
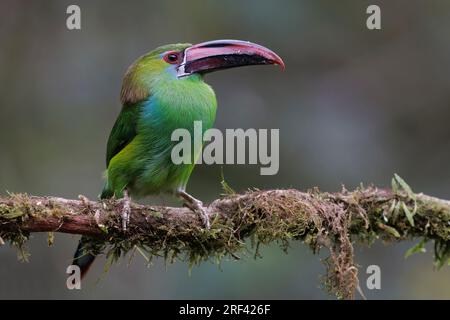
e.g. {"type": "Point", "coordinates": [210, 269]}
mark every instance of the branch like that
{"type": "Point", "coordinates": [319, 219]}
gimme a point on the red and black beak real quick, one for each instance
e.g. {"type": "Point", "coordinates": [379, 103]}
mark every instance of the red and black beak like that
{"type": "Point", "coordinates": [224, 54]}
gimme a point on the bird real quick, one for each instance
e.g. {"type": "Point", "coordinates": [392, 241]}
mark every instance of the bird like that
{"type": "Point", "coordinates": [162, 91]}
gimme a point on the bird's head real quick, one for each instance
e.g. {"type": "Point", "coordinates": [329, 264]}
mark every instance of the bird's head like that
{"type": "Point", "coordinates": [182, 61]}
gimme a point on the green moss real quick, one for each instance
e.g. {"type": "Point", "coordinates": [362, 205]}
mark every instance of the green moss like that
{"type": "Point", "coordinates": [320, 220]}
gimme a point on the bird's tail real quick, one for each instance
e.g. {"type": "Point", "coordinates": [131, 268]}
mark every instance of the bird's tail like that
{"type": "Point", "coordinates": [83, 259]}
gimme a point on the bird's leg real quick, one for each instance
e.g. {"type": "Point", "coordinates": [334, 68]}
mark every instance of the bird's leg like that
{"type": "Point", "coordinates": [195, 205]}
{"type": "Point", "coordinates": [126, 210]}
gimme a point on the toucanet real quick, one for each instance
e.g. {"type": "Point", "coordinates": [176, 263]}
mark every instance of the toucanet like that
{"type": "Point", "coordinates": [164, 90]}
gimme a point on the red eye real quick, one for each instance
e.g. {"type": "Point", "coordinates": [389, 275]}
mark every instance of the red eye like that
{"type": "Point", "coordinates": [171, 57]}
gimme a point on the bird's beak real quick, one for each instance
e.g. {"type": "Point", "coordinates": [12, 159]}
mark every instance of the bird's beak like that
{"type": "Point", "coordinates": [224, 54]}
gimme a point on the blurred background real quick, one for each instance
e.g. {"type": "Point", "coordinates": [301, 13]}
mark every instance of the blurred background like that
{"type": "Point", "coordinates": [352, 106]}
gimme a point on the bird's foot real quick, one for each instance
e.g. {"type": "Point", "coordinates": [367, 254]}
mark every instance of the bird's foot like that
{"type": "Point", "coordinates": [196, 206]}
{"type": "Point", "coordinates": [126, 209]}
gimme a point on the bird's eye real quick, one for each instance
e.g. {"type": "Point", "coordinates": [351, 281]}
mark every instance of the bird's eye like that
{"type": "Point", "coordinates": [171, 57]}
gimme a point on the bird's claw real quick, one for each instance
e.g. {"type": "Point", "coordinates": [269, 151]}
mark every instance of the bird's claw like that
{"type": "Point", "coordinates": [198, 207]}
{"type": "Point", "coordinates": [125, 216]}
{"type": "Point", "coordinates": [126, 210]}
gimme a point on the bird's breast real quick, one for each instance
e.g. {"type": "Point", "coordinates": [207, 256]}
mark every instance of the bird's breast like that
{"type": "Point", "coordinates": [178, 107]}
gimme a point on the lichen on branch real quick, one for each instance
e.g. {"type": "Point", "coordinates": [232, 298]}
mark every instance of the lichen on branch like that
{"type": "Point", "coordinates": [334, 221]}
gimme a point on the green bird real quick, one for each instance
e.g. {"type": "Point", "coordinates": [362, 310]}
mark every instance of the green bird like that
{"type": "Point", "coordinates": [162, 91]}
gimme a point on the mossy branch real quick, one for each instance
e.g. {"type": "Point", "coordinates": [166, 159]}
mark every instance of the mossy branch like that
{"type": "Point", "coordinates": [320, 219]}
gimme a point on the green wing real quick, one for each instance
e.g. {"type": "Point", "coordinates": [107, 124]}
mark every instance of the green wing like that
{"type": "Point", "coordinates": [123, 132]}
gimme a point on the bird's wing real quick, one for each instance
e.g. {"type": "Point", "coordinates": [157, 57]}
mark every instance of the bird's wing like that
{"type": "Point", "coordinates": [123, 132]}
